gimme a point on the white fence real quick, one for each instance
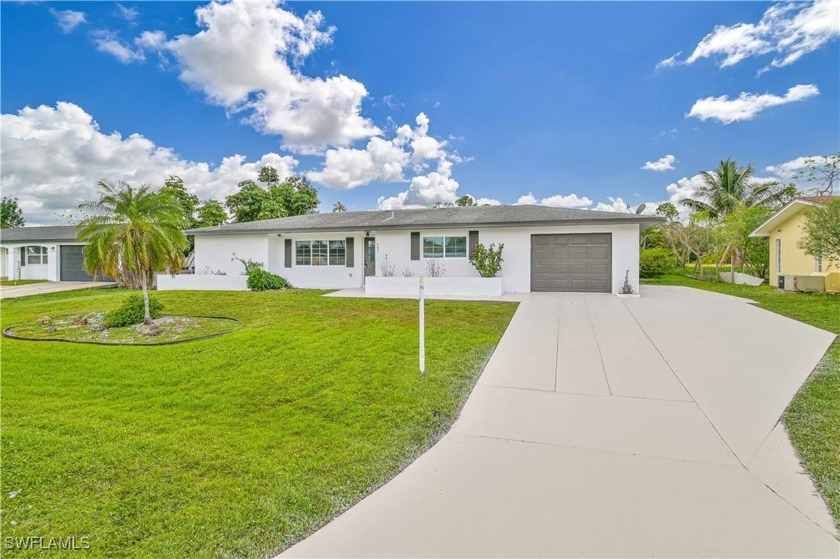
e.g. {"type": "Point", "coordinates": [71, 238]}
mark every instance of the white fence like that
{"type": "Point", "coordinates": [201, 282]}
{"type": "Point", "coordinates": [435, 287]}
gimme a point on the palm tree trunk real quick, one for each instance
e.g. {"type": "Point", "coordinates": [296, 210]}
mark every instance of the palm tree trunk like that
{"type": "Point", "coordinates": [148, 313]}
{"type": "Point", "coordinates": [732, 259]}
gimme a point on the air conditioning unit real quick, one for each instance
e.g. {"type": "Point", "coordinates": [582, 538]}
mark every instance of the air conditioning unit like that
{"type": "Point", "coordinates": [803, 283]}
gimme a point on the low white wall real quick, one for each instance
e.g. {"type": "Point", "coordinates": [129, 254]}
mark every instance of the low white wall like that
{"type": "Point", "coordinates": [201, 282]}
{"type": "Point", "coordinates": [741, 279]}
{"type": "Point", "coordinates": [434, 287]}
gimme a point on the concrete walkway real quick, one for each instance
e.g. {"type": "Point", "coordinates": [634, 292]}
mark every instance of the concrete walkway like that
{"type": "Point", "coordinates": [14, 291]}
{"type": "Point", "coordinates": [612, 427]}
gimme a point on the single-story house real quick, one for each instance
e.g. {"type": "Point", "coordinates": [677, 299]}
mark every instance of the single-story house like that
{"type": "Point", "coordinates": [49, 253]}
{"type": "Point", "coordinates": [545, 249]}
{"type": "Point", "coordinates": [787, 260]}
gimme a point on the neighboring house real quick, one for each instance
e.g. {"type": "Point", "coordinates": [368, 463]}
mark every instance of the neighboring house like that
{"type": "Point", "coordinates": [50, 253]}
{"type": "Point", "coordinates": [784, 230]}
{"type": "Point", "coordinates": [546, 249]}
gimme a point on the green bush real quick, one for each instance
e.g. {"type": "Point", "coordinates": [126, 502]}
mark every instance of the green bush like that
{"type": "Point", "coordinates": [488, 260]}
{"type": "Point", "coordinates": [655, 262]}
{"type": "Point", "coordinates": [132, 311]}
{"type": "Point", "coordinates": [260, 280]}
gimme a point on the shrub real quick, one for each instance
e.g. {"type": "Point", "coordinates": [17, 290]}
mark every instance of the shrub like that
{"type": "Point", "coordinates": [488, 260]}
{"type": "Point", "coordinates": [260, 280]}
{"type": "Point", "coordinates": [132, 311]}
{"type": "Point", "coordinates": [655, 262]}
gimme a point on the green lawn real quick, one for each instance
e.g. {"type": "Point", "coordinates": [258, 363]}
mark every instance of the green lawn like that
{"type": "Point", "coordinates": [5, 283]}
{"type": "Point", "coordinates": [813, 418]}
{"type": "Point", "coordinates": [233, 446]}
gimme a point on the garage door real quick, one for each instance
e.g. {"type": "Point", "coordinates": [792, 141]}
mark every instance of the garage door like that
{"type": "Point", "coordinates": [580, 262]}
{"type": "Point", "coordinates": [72, 268]}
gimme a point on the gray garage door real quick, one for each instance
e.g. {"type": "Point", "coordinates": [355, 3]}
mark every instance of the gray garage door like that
{"type": "Point", "coordinates": [580, 262]}
{"type": "Point", "coordinates": [72, 268]}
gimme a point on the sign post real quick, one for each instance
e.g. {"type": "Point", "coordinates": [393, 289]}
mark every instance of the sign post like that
{"type": "Point", "coordinates": [422, 327]}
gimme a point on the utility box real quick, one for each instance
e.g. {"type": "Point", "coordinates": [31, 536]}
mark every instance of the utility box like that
{"type": "Point", "coordinates": [803, 283]}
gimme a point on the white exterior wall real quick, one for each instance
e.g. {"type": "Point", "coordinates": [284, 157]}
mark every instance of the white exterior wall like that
{"type": "Point", "coordinates": [516, 268]}
{"type": "Point", "coordinates": [214, 253]}
{"type": "Point", "coordinates": [201, 282]}
{"type": "Point", "coordinates": [48, 271]}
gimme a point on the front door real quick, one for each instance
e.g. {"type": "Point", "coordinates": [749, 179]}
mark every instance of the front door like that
{"type": "Point", "coordinates": [370, 256]}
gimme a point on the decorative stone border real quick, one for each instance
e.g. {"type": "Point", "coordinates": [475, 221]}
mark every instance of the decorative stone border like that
{"type": "Point", "coordinates": [8, 334]}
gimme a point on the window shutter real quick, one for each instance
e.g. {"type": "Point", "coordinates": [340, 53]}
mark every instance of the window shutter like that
{"type": "Point", "coordinates": [349, 253]}
{"type": "Point", "coordinates": [23, 256]}
{"type": "Point", "coordinates": [288, 259]}
{"type": "Point", "coordinates": [415, 246]}
{"type": "Point", "coordinates": [473, 242]}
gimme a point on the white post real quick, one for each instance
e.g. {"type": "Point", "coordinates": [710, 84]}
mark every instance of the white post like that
{"type": "Point", "coordinates": [422, 327]}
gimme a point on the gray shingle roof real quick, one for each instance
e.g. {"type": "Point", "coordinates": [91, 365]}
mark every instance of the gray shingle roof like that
{"type": "Point", "coordinates": [475, 216]}
{"type": "Point", "coordinates": [42, 234]}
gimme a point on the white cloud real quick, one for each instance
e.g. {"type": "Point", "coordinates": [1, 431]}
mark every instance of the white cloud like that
{"type": "Point", "coordinates": [128, 14]}
{"type": "Point", "coordinates": [487, 202]}
{"type": "Point", "coordinates": [150, 40]}
{"type": "Point", "coordinates": [617, 205]}
{"type": "Point", "coordinates": [788, 31]}
{"type": "Point", "coordinates": [246, 59]}
{"type": "Point", "coordinates": [52, 158]}
{"type": "Point", "coordinates": [68, 20]}
{"type": "Point", "coordinates": [346, 168]}
{"type": "Point", "coordinates": [556, 201]}
{"type": "Point", "coordinates": [789, 169]}
{"type": "Point", "coordinates": [747, 105]}
{"type": "Point", "coordinates": [668, 62]}
{"type": "Point", "coordinates": [109, 42]}
{"type": "Point", "coordinates": [665, 163]}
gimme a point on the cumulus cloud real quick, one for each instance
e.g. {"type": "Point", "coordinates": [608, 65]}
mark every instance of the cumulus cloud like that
{"type": "Point", "coordinates": [556, 201]}
{"type": "Point", "coordinates": [747, 105]}
{"type": "Point", "coordinates": [246, 58]}
{"type": "Point", "coordinates": [68, 20]}
{"type": "Point", "coordinates": [53, 157]}
{"type": "Point", "coordinates": [665, 163]}
{"type": "Point", "coordinates": [789, 169]}
{"type": "Point", "coordinates": [110, 43]}
{"type": "Point", "coordinates": [788, 31]}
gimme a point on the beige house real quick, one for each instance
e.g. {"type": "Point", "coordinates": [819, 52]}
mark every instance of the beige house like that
{"type": "Point", "coordinates": [790, 267]}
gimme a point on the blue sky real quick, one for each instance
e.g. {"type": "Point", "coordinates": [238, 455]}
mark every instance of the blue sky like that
{"type": "Point", "coordinates": [548, 99]}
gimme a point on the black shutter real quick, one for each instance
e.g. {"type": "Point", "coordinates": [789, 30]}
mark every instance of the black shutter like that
{"type": "Point", "coordinates": [473, 242]}
{"type": "Point", "coordinates": [288, 258]}
{"type": "Point", "coordinates": [415, 246]}
{"type": "Point", "coordinates": [349, 252]}
{"type": "Point", "coordinates": [23, 256]}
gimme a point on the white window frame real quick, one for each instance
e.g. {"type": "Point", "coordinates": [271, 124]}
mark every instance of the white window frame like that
{"type": "Point", "coordinates": [778, 256]}
{"type": "Point", "coordinates": [445, 242]}
{"type": "Point", "coordinates": [41, 253]}
{"type": "Point", "coordinates": [327, 244]}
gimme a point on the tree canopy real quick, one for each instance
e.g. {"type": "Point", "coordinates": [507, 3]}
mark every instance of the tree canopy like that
{"type": "Point", "coordinates": [10, 214]}
{"type": "Point", "coordinates": [821, 231]}
{"type": "Point", "coordinates": [292, 196]}
{"type": "Point", "coordinates": [211, 213]}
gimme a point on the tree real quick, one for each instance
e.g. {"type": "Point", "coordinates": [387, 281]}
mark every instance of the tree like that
{"type": "Point", "coordinates": [821, 231]}
{"type": "Point", "coordinates": [821, 173]}
{"type": "Point", "coordinates": [293, 196]}
{"type": "Point", "coordinates": [211, 213]}
{"type": "Point", "coordinates": [174, 186]}
{"type": "Point", "coordinates": [466, 200]}
{"type": "Point", "coordinates": [728, 188]}
{"type": "Point", "coordinates": [696, 238]}
{"type": "Point", "coordinates": [734, 233]}
{"type": "Point", "coordinates": [339, 207]}
{"type": "Point", "coordinates": [133, 233]}
{"type": "Point", "coordinates": [10, 214]}
{"type": "Point", "coordinates": [668, 210]}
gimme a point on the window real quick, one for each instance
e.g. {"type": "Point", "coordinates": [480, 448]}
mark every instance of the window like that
{"type": "Point", "coordinates": [36, 255]}
{"type": "Point", "coordinates": [818, 264]}
{"type": "Point", "coordinates": [444, 247]}
{"type": "Point", "coordinates": [320, 253]}
{"type": "Point", "coordinates": [778, 256]}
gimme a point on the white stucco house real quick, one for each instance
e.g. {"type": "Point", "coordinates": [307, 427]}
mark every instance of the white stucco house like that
{"type": "Point", "coordinates": [546, 249]}
{"type": "Point", "coordinates": [50, 253]}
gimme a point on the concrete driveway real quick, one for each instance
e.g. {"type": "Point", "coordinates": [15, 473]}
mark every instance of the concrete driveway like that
{"type": "Point", "coordinates": [612, 427]}
{"type": "Point", "coordinates": [14, 291]}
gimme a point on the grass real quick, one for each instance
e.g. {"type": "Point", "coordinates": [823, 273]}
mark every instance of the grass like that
{"type": "Point", "coordinates": [813, 417]}
{"type": "Point", "coordinates": [235, 446]}
{"type": "Point", "coordinates": [20, 282]}
{"type": "Point", "coordinates": [172, 329]}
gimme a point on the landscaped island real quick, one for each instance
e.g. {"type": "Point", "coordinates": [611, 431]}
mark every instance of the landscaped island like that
{"type": "Point", "coordinates": [238, 445]}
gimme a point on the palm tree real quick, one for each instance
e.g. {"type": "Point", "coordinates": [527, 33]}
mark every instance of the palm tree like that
{"type": "Point", "coordinates": [131, 234]}
{"type": "Point", "coordinates": [728, 188]}
{"type": "Point", "coordinates": [339, 207]}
